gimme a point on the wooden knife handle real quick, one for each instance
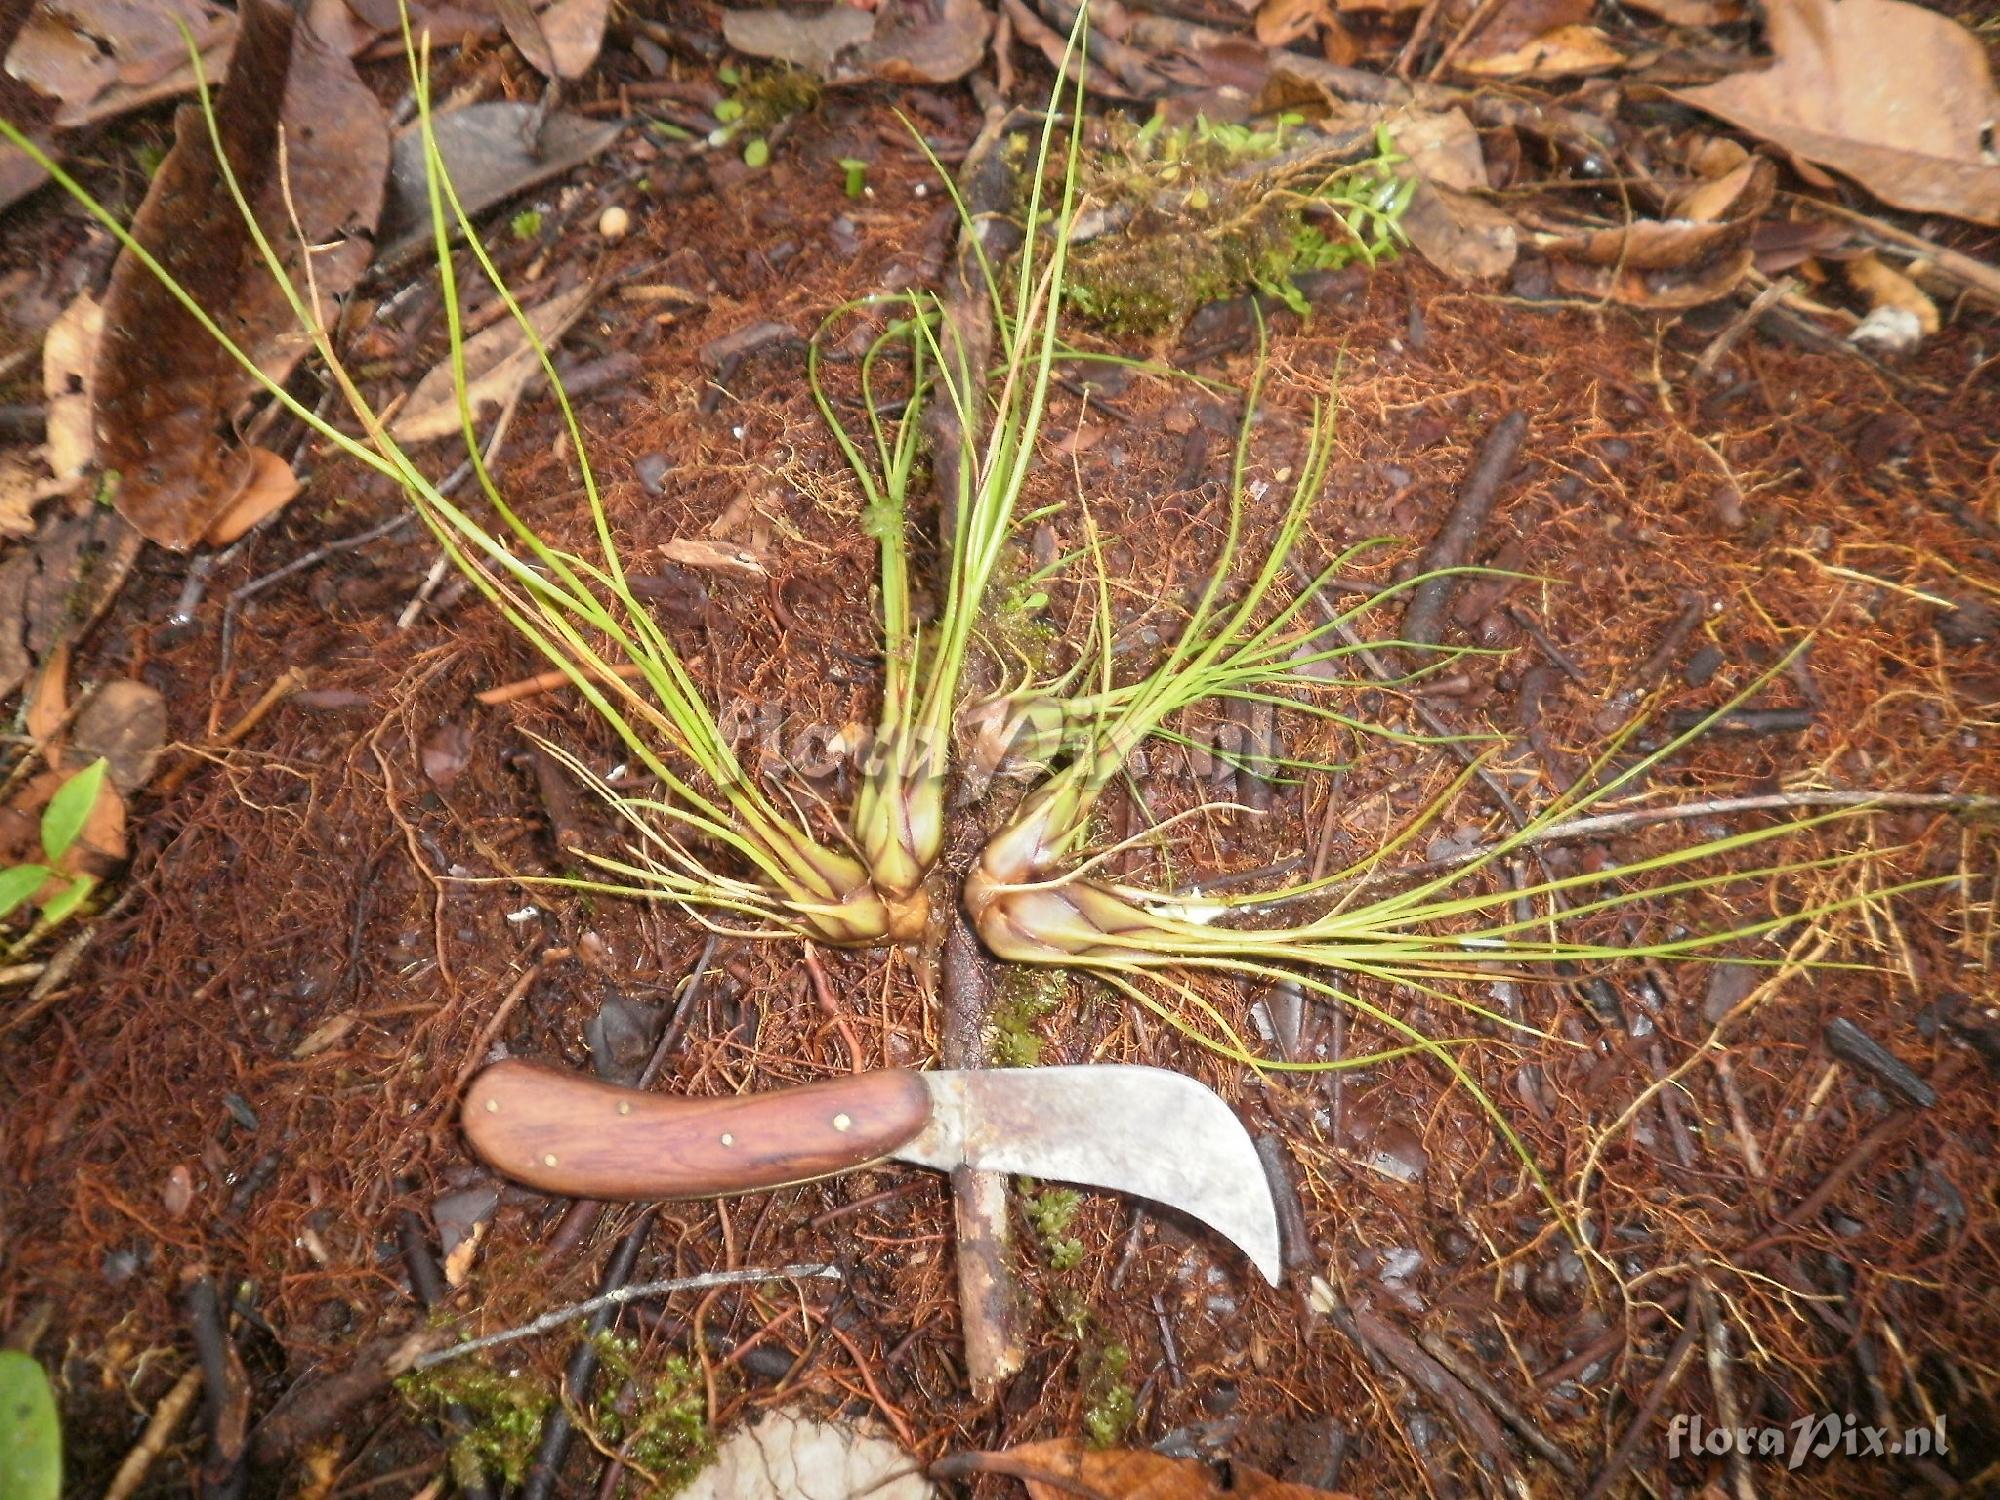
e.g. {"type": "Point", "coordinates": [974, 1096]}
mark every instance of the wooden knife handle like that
{"type": "Point", "coordinates": [569, 1134]}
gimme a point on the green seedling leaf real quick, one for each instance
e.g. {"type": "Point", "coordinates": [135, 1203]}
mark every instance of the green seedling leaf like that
{"type": "Point", "coordinates": [729, 111]}
{"type": "Point", "coordinates": [857, 175]}
{"type": "Point", "coordinates": [69, 809]}
{"type": "Point", "coordinates": [30, 1435]}
{"type": "Point", "coordinates": [64, 906]}
{"type": "Point", "coordinates": [18, 884]}
{"type": "Point", "coordinates": [527, 223]}
{"type": "Point", "coordinates": [757, 153]}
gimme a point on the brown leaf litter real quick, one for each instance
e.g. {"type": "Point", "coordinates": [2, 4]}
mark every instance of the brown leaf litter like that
{"type": "Point", "coordinates": [1891, 94]}
{"type": "Point", "coordinates": [163, 388]}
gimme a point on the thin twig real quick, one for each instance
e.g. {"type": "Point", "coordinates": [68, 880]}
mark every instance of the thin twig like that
{"type": "Point", "coordinates": [159, 1432]}
{"type": "Point", "coordinates": [561, 1315]}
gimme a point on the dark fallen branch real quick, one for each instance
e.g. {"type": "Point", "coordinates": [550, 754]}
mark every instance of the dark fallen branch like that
{"type": "Point", "coordinates": [1430, 601]}
{"type": "Point", "coordinates": [225, 1387]}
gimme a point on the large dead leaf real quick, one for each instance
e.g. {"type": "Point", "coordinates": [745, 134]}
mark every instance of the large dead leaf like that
{"type": "Point", "coordinates": [810, 39]}
{"type": "Point", "coordinates": [1513, 24]}
{"type": "Point", "coordinates": [916, 42]}
{"type": "Point", "coordinates": [102, 57]}
{"type": "Point", "coordinates": [899, 41]}
{"type": "Point", "coordinates": [1465, 237]}
{"type": "Point", "coordinates": [53, 588]}
{"type": "Point", "coordinates": [125, 722]}
{"type": "Point", "coordinates": [1566, 52]}
{"type": "Point", "coordinates": [1064, 1468]}
{"type": "Point", "coordinates": [1894, 95]}
{"type": "Point", "coordinates": [1667, 264]}
{"type": "Point", "coordinates": [1442, 147]}
{"type": "Point", "coordinates": [563, 40]}
{"type": "Point", "coordinates": [163, 389]}
{"type": "Point", "coordinates": [491, 152]}
{"type": "Point", "coordinates": [781, 1456]}
{"type": "Point", "coordinates": [499, 362]}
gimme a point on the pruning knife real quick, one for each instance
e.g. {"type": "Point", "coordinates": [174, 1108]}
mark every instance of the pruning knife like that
{"type": "Point", "coordinates": [1142, 1131]}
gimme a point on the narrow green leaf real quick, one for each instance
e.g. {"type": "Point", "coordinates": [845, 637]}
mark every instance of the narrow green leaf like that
{"type": "Point", "coordinates": [757, 153]}
{"type": "Point", "coordinates": [19, 883]}
{"type": "Point", "coordinates": [30, 1435]}
{"type": "Point", "coordinates": [64, 905]}
{"type": "Point", "coordinates": [69, 809]}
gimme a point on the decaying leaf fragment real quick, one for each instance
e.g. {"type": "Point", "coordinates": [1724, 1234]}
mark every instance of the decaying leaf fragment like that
{"type": "Point", "coordinates": [1565, 52]}
{"type": "Point", "coordinates": [1464, 236]}
{"type": "Point", "coordinates": [499, 362]}
{"type": "Point", "coordinates": [563, 40]}
{"type": "Point", "coordinates": [163, 389]}
{"type": "Point", "coordinates": [1671, 263]}
{"type": "Point", "coordinates": [1893, 95]}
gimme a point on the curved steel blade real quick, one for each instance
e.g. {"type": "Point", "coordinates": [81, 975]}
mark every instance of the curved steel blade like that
{"type": "Point", "coordinates": [1142, 1131]}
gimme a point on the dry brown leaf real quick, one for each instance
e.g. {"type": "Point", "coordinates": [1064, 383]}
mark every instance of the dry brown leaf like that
{"type": "Point", "coordinates": [1282, 22]}
{"type": "Point", "coordinates": [1465, 237]}
{"type": "Point", "coordinates": [1651, 245]}
{"type": "Point", "coordinates": [1510, 25]}
{"type": "Point", "coordinates": [19, 491]}
{"type": "Point", "coordinates": [1692, 12]}
{"type": "Point", "coordinates": [1063, 1467]}
{"type": "Point", "coordinates": [458, 1261]}
{"type": "Point", "coordinates": [1885, 286]}
{"type": "Point", "coordinates": [916, 44]}
{"type": "Point", "coordinates": [1743, 192]}
{"type": "Point", "coordinates": [1566, 52]}
{"type": "Point", "coordinates": [692, 552]}
{"type": "Point", "coordinates": [125, 723]}
{"type": "Point", "coordinates": [575, 32]}
{"type": "Point", "coordinates": [1338, 45]}
{"type": "Point", "coordinates": [1660, 290]}
{"type": "Point", "coordinates": [563, 40]}
{"type": "Point", "coordinates": [54, 587]}
{"type": "Point", "coordinates": [69, 350]}
{"type": "Point", "coordinates": [1443, 147]}
{"type": "Point", "coordinates": [163, 389]}
{"type": "Point", "coordinates": [810, 39]}
{"type": "Point", "coordinates": [1893, 95]}
{"type": "Point", "coordinates": [87, 52]}
{"type": "Point", "coordinates": [267, 488]}
{"type": "Point", "coordinates": [499, 362]}
{"type": "Point", "coordinates": [48, 698]}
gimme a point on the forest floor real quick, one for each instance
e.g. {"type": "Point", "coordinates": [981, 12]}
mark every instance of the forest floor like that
{"type": "Point", "coordinates": [253, 1069]}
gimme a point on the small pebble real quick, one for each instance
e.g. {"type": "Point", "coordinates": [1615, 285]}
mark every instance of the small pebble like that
{"type": "Point", "coordinates": [614, 223]}
{"type": "Point", "coordinates": [652, 473]}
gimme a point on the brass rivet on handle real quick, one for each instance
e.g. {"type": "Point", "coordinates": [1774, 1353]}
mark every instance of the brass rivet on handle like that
{"type": "Point", "coordinates": [728, 1139]}
{"type": "Point", "coordinates": [842, 1122]}
{"type": "Point", "coordinates": [624, 1106]}
{"type": "Point", "coordinates": [493, 1106]}
{"type": "Point", "coordinates": [548, 1161]}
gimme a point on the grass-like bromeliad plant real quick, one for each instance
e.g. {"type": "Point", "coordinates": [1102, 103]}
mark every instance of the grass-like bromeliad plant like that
{"type": "Point", "coordinates": [735, 852]}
